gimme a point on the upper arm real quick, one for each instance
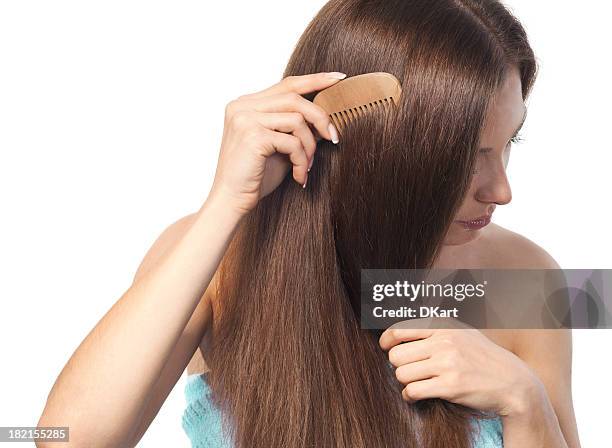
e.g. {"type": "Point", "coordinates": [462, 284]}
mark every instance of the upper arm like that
{"type": "Point", "coordinates": [548, 352]}
{"type": "Point", "coordinates": [190, 338]}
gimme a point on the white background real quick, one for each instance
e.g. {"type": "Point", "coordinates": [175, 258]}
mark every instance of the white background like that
{"type": "Point", "coordinates": [111, 115]}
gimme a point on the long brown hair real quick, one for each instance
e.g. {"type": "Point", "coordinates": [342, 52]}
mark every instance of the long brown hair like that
{"type": "Point", "coordinates": [291, 366]}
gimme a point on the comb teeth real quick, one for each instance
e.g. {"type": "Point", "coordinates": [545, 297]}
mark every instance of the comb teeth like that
{"type": "Point", "coordinates": [344, 117]}
{"type": "Point", "coordinates": [354, 97]}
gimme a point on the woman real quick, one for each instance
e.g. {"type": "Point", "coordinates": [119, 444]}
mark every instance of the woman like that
{"type": "Point", "coordinates": [264, 278]}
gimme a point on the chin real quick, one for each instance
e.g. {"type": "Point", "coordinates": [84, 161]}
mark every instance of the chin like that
{"type": "Point", "coordinates": [458, 237]}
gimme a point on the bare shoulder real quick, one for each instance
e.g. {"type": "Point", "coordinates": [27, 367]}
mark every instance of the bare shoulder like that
{"type": "Point", "coordinates": [501, 248]}
{"type": "Point", "coordinates": [505, 249]}
{"type": "Point", "coordinates": [166, 239]}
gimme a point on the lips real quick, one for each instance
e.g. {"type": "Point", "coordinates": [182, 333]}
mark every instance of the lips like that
{"type": "Point", "coordinates": [477, 223]}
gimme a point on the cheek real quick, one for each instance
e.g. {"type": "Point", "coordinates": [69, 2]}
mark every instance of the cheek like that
{"type": "Point", "coordinates": [467, 205]}
{"type": "Point", "coordinates": [506, 157]}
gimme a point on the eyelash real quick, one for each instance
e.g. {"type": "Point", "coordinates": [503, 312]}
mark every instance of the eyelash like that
{"type": "Point", "coordinates": [518, 138]}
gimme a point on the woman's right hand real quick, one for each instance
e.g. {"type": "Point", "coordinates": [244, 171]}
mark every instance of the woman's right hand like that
{"type": "Point", "coordinates": [267, 132]}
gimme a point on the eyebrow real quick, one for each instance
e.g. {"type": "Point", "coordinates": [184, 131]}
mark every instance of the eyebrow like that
{"type": "Point", "coordinates": [487, 149]}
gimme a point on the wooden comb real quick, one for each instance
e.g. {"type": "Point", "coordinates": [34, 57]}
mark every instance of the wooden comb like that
{"type": "Point", "coordinates": [353, 97]}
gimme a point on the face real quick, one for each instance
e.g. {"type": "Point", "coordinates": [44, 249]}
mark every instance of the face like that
{"type": "Point", "coordinates": [490, 187]}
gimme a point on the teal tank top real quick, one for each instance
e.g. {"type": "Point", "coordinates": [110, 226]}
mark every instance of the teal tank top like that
{"type": "Point", "coordinates": [202, 420]}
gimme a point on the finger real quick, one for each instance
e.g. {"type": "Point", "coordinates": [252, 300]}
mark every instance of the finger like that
{"type": "Point", "coordinates": [415, 371]}
{"type": "Point", "coordinates": [292, 146]}
{"type": "Point", "coordinates": [301, 84]}
{"type": "Point", "coordinates": [291, 122]}
{"type": "Point", "coordinates": [292, 102]}
{"type": "Point", "coordinates": [410, 352]}
{"type": "Point", "coordinates": [419, 390]}
{"type": "Point", "coordinates": [393, 336]}
{"type": "Point", "coordinates": [315, 132]}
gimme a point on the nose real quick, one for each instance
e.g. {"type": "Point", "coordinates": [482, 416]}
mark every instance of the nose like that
{"type": "Point", "coordinates": [495, 188]}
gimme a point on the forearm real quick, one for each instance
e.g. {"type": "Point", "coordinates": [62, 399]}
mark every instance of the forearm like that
{"type": "Point", "coordinates": [533, 423]}
{"type": "Point", "coordinates": [101, 390]}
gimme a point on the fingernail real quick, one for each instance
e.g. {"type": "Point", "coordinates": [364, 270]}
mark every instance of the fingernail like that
{"type": "Point", "coordinates": [310, 164]}
{"type": "Point", "coordinates": [336, 75]}
{"type": "Point", "coordinates": [304, 186]}
{"type": "Point", "coordinates": [334, 133]}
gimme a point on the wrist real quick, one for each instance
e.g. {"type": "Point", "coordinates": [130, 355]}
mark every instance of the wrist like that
{"type": "Point", "coordinates": [224, 196]}
{"type": "Point", "coordinates": [222, 210]}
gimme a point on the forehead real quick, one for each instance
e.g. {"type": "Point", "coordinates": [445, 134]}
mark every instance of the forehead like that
{"type": "Point", "coordinates": [507, 108]}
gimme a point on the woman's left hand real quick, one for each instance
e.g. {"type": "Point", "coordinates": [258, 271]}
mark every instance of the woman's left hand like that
{"type": "Point", "coordinates": [462, 366]}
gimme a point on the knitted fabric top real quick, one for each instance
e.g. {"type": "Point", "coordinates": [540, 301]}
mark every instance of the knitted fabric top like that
{"type": "Point", "coordinates": [202, 420]}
